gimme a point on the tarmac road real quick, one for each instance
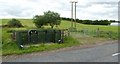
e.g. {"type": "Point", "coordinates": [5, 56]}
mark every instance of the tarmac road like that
{"type": "Point", "coordinates": [99, 53]}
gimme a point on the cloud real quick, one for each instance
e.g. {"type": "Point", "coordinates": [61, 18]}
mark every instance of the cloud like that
{"type": "Point", "coordinates": [13, 9]}
{"type": "Point", "coordinates": [99, 10]}
{"type": "Point", "coordinates": [92, 9]}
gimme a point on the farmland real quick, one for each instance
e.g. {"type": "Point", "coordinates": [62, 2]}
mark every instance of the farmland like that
{"type": "Point", "coordinates": [9, 46]}
{"type": "Point", "coordinates": [65, 24]}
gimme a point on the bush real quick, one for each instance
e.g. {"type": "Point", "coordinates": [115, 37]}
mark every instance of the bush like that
{"type": "Point", "coordinates": [14, 23]}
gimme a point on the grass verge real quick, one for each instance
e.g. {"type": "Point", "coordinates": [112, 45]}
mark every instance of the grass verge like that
{"type": "Point", "coordinates": [12, 48]}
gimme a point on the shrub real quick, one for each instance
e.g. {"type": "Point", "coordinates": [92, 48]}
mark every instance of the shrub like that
{"type": "Point", "coordinates": [14, 23]}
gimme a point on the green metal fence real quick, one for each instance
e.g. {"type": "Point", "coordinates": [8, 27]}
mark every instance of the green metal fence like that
{"type": "Point", "coordinates": [49, 36]}
{"type": "Point", "coordinates": [41, 36]}
{"type": "Point", "coordinates": [38, 36]}
{"type": "Point", "coordinates": [21, 37]}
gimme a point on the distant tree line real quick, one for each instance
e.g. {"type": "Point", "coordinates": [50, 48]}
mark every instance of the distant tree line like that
{"type": "Point", "coordinates": [91, 22]}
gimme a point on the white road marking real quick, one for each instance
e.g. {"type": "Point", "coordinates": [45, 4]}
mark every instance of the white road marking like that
{"type": "Point", "coordinates": [115, 54]}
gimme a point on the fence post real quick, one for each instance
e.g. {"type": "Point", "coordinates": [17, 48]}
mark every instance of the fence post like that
{"type": "Point", "coordinates": [98, 32]}
{"type": "Point", "coordinates": [54, 37]}
{"type": "Point", "coordinates": [109, 34]}
{"type": "Point", "coordinates": [18, 38]}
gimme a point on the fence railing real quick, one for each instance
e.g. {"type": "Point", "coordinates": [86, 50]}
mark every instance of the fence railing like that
{"type": "Point", "coordinates": [24, 37]}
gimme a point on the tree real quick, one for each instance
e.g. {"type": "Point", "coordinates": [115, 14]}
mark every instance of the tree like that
{"type": "Point", "coordinates": [14, 23]}
{"type": "Point", "coordinates": [49, 17]}
{"type": "Point", "coordinates": [39, 21]}
{"type": "Point", "coordinates": [52, 18]}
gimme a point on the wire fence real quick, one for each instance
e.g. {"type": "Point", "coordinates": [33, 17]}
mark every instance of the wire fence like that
{"type": "Point", "coordinates": [98, 33]}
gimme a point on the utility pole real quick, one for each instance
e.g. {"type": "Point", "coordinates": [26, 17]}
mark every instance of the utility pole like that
{"type": "Point", "coordinates": [73, 25]}
{"type": "Point", "coordinates": [71, 13]}
{"type": "Point", "coordinates": [75, 13]}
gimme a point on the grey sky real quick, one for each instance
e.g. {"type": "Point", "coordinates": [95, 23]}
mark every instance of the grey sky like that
{"type": "Point", "coordinates": [86, 9]}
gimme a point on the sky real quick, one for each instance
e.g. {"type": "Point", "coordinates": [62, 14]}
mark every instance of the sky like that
{"type": "Point", "coordinates": [85, 9]}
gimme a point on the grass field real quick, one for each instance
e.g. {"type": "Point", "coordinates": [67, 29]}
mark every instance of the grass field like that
{"type": "Point", "coordinates": [66, 24]}
{"type": "Point", "coordinates": [10, 47]}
